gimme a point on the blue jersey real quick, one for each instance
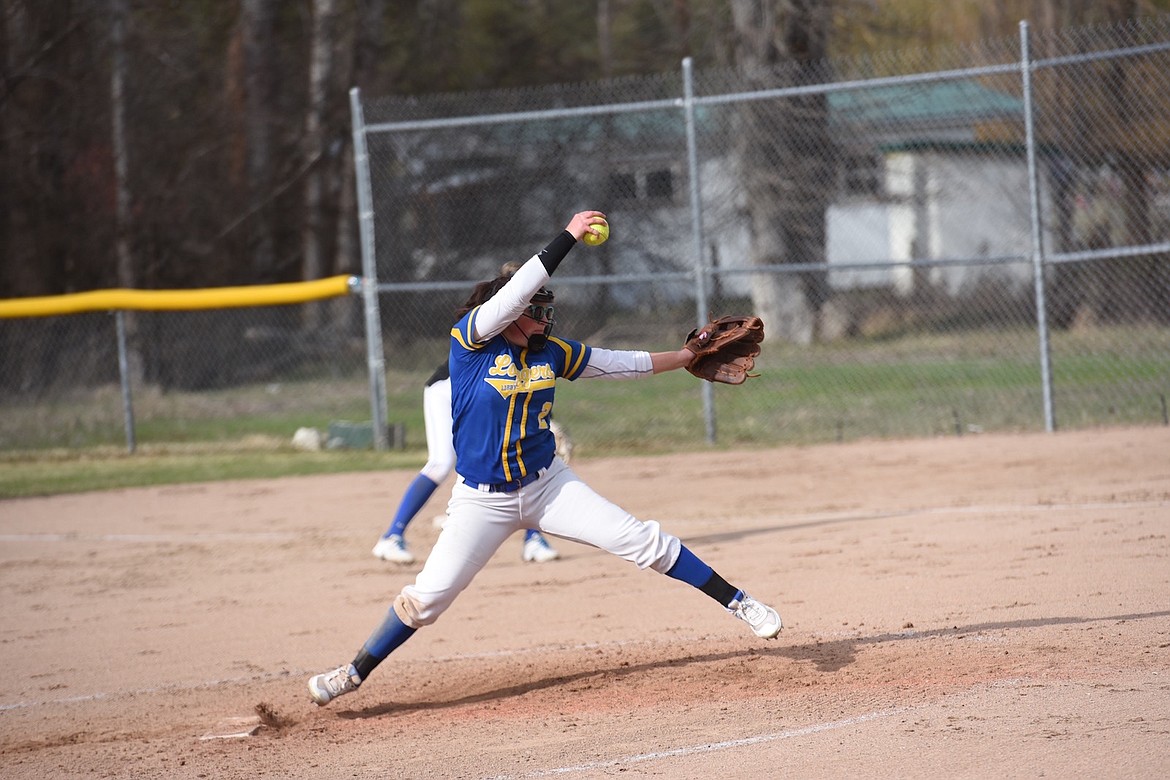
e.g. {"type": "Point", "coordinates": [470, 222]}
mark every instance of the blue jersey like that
{"type": "Point", "coordinates": [502, 399]}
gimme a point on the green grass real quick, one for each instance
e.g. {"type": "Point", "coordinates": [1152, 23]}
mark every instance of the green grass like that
{"type": "Point", "coordinates": [55, 472]}
{"type": "Point", "coordinates": [911, 386]}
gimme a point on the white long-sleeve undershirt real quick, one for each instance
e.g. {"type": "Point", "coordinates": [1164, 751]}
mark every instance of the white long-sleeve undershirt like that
{"type": "Point", "coordinates": [617, 364]}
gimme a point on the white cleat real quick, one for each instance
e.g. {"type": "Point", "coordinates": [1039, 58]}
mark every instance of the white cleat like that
{"type": "Point", "coordinates": [393, 549]}
{"type": "Point", "coordinates": [324, 688]}
{"type": "Point", "coordinates": [538, 550]}
{"type": "Point", "coordinates": [764, 620]}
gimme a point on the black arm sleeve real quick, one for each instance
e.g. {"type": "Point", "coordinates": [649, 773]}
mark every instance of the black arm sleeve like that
{"type": "Point", "coordinates": [552, 255]}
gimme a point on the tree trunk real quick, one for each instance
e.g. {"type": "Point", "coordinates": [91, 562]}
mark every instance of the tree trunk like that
{"type": "Point", "coordinates": [127, 274]}
{"type": "Point", "coordinates": [363, 72]}
{"type": "Point", "coordinates": [30, 151]}
{"type": "Point", "coordinates": [258, 19]}
{"type": "Point", "coordinates": [320, 78]}
{"type": "Point", "coordinates": [784, 153]}
{"type": "Point", "coordinates": [604, 38]}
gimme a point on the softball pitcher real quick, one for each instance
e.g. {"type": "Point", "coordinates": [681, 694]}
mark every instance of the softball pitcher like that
{"type": "Point", "coordinates": [504, 363]}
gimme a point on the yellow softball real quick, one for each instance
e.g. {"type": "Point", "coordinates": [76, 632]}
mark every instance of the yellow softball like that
{"type": "Point", "coordinates": [595, 240]}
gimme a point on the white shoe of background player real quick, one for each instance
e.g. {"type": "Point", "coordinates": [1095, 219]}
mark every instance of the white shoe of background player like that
{"type": "Point", "coordinates": [324, 688]}
{"type": "Point", "coordinates": [538, 550]}
{"type": "Point", "coordinates": [393, 549]}
{"type": "Point", "coordinates": [764, 620]}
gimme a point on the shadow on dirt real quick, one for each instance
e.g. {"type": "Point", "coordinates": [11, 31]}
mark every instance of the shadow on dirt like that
{"type": "Point", "coordinates": [826, 656]}
{"type": "Point", "coordinates": [743, 533]}
{"type": "Point", "coordinates": [549, 682]}
{"type": "Point", "coordinates": [830, 656]}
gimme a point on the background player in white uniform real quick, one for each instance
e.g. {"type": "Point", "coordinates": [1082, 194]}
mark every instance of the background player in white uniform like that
{"type": "Point", "coordinates": [504, 366]}
{"type": "Point", "coordinates": [440, 462]}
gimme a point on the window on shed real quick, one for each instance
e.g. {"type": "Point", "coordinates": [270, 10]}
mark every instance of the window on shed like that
{"type": "Point", "coordinates": [622, 186]}
{"type": "Point", "coordinates": [659, 184]}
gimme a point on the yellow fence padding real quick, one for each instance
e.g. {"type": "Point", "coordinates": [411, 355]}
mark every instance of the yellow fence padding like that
{"type": "Point", "coordinates": [179, 300]}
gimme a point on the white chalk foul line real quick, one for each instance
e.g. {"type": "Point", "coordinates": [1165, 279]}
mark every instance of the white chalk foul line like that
{"type": "Point", "coordinates": [262, 536]}
{"type": "Point", "coordinates": [708, 748]}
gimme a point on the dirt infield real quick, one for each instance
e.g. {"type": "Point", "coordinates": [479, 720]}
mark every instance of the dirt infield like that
{"type": "Point", "coordinates": [986, 606]}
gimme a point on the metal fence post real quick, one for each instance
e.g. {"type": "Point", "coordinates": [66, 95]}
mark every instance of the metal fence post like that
{"type": "Point", "coordinates": [375, 357]}
{"type": "Point", "coordinates": [124, 373]}
{"type": "Point", "coordinates": [1037, 239]}
{"type": "Point", "coordinates": [701, 303]}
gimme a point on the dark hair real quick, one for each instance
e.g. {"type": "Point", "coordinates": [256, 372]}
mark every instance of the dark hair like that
{"type": "Point", "coordinates": [481, 293]}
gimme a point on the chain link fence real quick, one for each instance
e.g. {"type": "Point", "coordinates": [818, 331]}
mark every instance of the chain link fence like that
{"type": "Point", "coordinates": [978, 243]}
{"type": "Point", "coordinates": [979, 248]}
{"type": "Point", "coordinates": [219, 377]}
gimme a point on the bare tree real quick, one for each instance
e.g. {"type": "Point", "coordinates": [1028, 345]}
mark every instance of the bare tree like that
{"type": "Point", "coordinates": [321, 48]}
{"type": "Point", "coordinates": [604, 38]}
{"type": "Point", "coordinates": [1105, 121]}
{"type": "Point", "coordinates": [119, 17]}
{"type": "Point", "coordinates": [32, 143]}
{"type": "Point", "coordinates": [257, 22]}
{"type": "Point", "coordinates": [364, 42]}
{"type": "Point", "coordinates": [783, 152]}
{"type": "Point", "coordinates": [123, 229]}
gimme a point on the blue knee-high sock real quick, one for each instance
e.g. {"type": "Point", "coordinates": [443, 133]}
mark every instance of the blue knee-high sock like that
{"type": "Point", "coordinates": [384, 641]}
{"type": "Point", "coordinates": [689, 569]}
{"type": "Point", "coordinates": [530, 533]}
{"type": "Point", "coordinates": [417, 494]}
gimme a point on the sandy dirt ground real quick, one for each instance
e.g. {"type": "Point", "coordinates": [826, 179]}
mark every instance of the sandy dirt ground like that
{"type": "Point", "coordinates": [985, 606]}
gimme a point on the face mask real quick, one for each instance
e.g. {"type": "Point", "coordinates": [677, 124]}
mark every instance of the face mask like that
{"type": "Point", "coordinates": [540, 313]}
